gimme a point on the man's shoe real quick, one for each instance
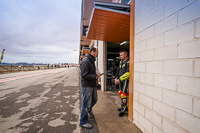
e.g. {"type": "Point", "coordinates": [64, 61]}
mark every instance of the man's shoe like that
{"type": "Point", "coordinates": [90, 115]}
{"type": "Point", "coordinates": [87, 125]}
{"type": "Point", "coordinates": [121, 114]}
{"type": "Point", "coordinates": [119, 109]}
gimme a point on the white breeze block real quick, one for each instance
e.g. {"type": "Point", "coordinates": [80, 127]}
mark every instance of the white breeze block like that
{"type": "Point", "coordinates": [136, 95]}
{"type": "Point", "coordinates": [136, 76]}
{"type": "Point", "coordinates": [138, 28]}
{"type": "Point", "coordinates": [164, 110]}
{"type": "Point", "coordinates": [180, 34]}
{"type": "Point", "coordinates": [147, 33]}
{"type": "Point", "coordinates": [187, 121]}
{"type": "Point", "coordinates": [139, 67]}
{"type": "Point", "coordinates": [139, 125]}
{"type": "Point", "coordinates": [154, 92]}
{"type": "Point", "coordinates": [145, 123]}
{"type": "Point", "coordinates": [154, 67]}
{"type": "Point", "coordinates": [141, 4]}
{"type": "Point", "coordinates": [155, 17]}
{"type": "Point", "coordinates": [196, 107]}
{"type": "Point", "coordinates": [169, 127]}
{"type": "Point", "coordinates": [173, 6]}
{"type": "Point", "coordinates": [166, 24]}
{"type": "Point", "coordinates": [179, 67]}
{"type": "Point", "coordinates": [137, 38]}
{"type": "Point", "coordinates": [149, 79]}
{"type": "Point", "coordinates": [189, 49]}
{"type": "Point", "coordinates": [190, 86]}
{"type": "Point", "coordinates": [147, 11]}
{"type": "Point", "coordinates": [136, 57]}
{"type": "Point", "coordinates": [156, 41]}
{"type": "Point", "coordinates": [142, 77]}
{"type": "Point", "coordinates": [141, 46]}
{"type": "Point", "coordinates": [197, 68]}
{"type": "Point", "coordinates": [177, 100]}
{"type": "Point", "coordinates": [166, 52]}
{"type": "Point", "coordinates": [138, 107]}
{"type": "Point", "coordinates": [197, 28]}
{"type": "Point", "coordinates": [137, 19]}
{"type": "Point", "coordinates": [156, 119]}
{"type": "Point", "coordinates": [136, 115]}
{"type": "Point", "coordinates": [167, 82]}
{"type": "Point", "coordinates": [146, 78]}
{"type": "Point", "coordinates": [160, 4]}
{"type": "Point", "coordinates": [189, 13]}
{"type": "Point", "coordinates": [157, 130]}
{"type": "Point", "coordinates": [139, 87]}
{"type": "Point", "coordinates": [145, 100]}
{"type": "Point", "coordinates": [147, 55]}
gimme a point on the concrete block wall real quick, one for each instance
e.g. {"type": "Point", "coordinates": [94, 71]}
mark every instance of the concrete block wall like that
{"type": "Point", "coordinates": [101, 61]}
{"type": "Point", "coordinates": [167, 66]}
{"type": "Point", "coordinates": [116, 1]}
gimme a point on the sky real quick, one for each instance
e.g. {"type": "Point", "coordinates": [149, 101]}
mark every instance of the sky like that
{"type": "Point", "coordinates": [40, 31]}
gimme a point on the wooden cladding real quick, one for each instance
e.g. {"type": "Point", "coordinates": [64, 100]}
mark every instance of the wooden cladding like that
{"type": "Point", "coordinates": [109, 25]}
{"type": "Point", "coordinates": [131, 65]}
{"type": "Point", "coordinates": [85, 51]}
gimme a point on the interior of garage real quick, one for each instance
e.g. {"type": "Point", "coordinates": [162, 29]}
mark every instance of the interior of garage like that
{"type": "Point", "coordinates": [113, 60]}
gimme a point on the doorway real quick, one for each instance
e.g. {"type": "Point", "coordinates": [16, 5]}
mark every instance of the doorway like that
{"type": "Point", "coordinates": [113, 61]}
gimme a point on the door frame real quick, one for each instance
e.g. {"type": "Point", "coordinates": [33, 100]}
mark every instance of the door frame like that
{"type": "Point", "coordinates": [131, 66]}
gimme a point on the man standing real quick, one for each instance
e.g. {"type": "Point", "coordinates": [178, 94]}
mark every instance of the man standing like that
{"type": "Point", "coordinates": [122, 78]}
{"type": "Point", "coordinates": [89, 89]}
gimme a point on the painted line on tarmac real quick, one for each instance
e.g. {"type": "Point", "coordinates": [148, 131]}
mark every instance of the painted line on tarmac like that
{"type": "Point", "coordinates": [20, 77]}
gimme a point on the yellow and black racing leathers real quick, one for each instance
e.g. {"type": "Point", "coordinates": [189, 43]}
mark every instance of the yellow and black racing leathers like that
{"type": "Point", "coordinates": [123, 76]}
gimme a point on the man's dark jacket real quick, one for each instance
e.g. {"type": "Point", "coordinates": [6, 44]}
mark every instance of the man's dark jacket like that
{"type": "Point", "coordinates": [88, 71]}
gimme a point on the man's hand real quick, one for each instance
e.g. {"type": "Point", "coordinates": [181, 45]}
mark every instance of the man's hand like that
{"type": "Point", "coordinates": [97, 78]}
{"type": "Point", "coordinates": [116, 81]}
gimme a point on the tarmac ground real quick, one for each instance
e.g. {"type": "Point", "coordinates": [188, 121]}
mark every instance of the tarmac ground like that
{"type": "Point", "coordinates": [106, 116]}
{"type": "Point", "coordinates": [41, 101]}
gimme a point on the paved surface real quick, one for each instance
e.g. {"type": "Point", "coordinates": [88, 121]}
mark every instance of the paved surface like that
{"type": "Point", "coordinates": [106, 115]}
{"type": "Point", "coordinates": [45, 101]}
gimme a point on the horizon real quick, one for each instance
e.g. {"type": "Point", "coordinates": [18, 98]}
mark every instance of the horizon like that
{"type": "Point", "coordinates": [35, 63]}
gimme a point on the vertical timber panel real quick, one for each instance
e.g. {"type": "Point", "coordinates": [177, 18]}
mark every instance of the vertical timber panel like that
{"type": "Point", "coordinates": [105, 65]}
{"type": "Point", "coordinates": [131, 67]}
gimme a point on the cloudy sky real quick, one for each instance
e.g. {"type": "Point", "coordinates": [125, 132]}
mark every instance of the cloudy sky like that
{"type": "Point", "coordinates": [40, 31]}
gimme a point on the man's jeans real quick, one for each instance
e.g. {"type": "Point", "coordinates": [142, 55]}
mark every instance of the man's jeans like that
{"type": "Point", "coordinates": [88, 101]}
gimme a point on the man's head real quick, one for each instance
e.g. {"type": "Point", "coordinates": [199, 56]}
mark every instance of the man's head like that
{"type": "Point", "coordinates": [123, 54]}
{"type": "Point", "coordinates": [94, 52]}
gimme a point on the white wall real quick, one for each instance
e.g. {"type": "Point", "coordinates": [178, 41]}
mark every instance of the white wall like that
{"type": "Point", "coordinates": [116, 1]}
{"type": "Point", "coordinates": [101, 61]}
{"type": "Point", "coordinates": [167, 66]}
